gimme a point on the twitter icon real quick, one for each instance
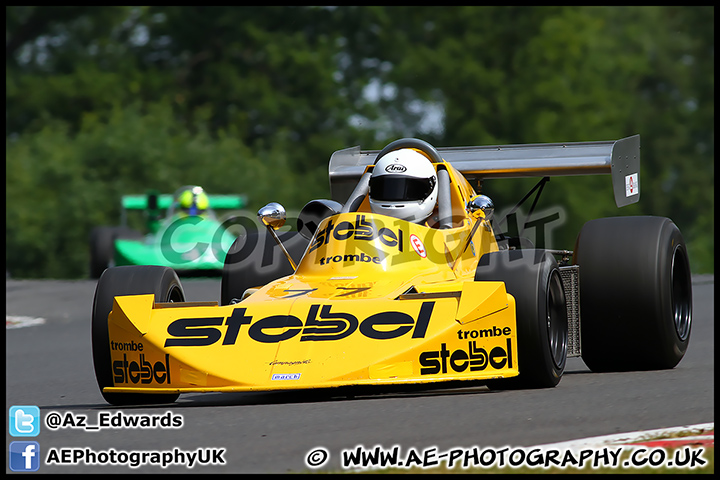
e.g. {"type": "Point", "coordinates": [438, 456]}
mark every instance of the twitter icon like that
{"type": "Point", "coordinates": [24, 421]}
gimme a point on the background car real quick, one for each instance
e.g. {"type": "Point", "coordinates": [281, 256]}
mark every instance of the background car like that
{"type": "Point", "coordinates": [183, 232]}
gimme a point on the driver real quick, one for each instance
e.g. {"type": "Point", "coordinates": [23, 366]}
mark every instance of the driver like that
{"type": "Point", "coordinates": [403, 185]}
{"type": "Point", "coordinates": [193, 201]}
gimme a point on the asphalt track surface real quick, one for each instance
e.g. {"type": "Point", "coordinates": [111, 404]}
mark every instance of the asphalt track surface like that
{"type": "Point", "coordinates": [50, 365]}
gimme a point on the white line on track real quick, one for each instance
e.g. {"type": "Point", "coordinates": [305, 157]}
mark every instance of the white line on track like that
{"type": "Point", "coordinates": [20, 322]}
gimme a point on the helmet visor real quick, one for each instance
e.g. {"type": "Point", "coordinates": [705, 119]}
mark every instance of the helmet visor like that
{"type": "Point", "coordinates": [394, 188]}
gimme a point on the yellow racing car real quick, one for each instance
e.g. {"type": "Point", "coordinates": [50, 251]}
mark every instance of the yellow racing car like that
{"type": "Point", "coordinates": [401, 279]}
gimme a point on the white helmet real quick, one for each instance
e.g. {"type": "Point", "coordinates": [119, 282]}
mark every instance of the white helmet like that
{"type": "Point", "coordinates": [404, 185]}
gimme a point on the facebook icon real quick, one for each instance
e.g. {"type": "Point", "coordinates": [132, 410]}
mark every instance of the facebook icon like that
{"type": "Point", "coordinates": [24, 456]}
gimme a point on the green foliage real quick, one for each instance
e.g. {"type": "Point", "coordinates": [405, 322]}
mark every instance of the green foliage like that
{"type": "Point", "coordinates": [59, 185]}
{"type": "Point", "coordinates": [562, 74]}
{"type": "Point", "coordinates": [103, 101]}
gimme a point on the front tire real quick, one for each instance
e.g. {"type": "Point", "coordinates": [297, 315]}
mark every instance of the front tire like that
{"type": "Point", "coordinates": [635, 293]}
{"type": "Point", "coordinates": [163, 282]}
{"type": "Point", "coordinates": [533, 278]}
{"type": "Point", "coordinates": [255, 259]}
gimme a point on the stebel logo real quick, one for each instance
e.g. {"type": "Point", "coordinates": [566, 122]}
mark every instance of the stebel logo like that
{"type": "Point", "coordinates": [321, 324]}
{"type": "Point", "coordinates": [360, 230]}
{"type": "Point", "coordinates": [141, 371]}
{"type": "Point", "coordinates": [459, 360]}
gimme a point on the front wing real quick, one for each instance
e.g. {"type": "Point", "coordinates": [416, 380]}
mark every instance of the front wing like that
{"type": "Point", "coordinates": [466, 333]}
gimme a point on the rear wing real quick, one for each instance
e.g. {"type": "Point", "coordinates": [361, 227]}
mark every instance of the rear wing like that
{"type": "Point", "coordinates": [619, 158]}
{"type": "Point", "coordinates": [155, 203]}
{"type": "Point", "coordinates": [217, 202]}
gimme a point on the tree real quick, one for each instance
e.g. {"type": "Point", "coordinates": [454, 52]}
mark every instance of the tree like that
{"type": "Point", "coordinates": [107, 100]}
{"type": "Point", "coordinates": [505, 75]}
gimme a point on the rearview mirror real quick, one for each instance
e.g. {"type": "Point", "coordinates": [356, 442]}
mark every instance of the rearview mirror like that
{"type": "Point", "coordinates": [272, 215]}
{"type": "Point", "coordinates": [481, 203]}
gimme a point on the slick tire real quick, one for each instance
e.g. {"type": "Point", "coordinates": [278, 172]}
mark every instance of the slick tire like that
{"type": "Point", "coordinates": [255, 259]}
{"type": "Point", "coordinates": [102, 249]}
{"type": "Point", "coordinates": [163, 282]}
{"type": "Point", "coordinates": [532, 277]}
{"type": "Point", "coordinates": [635, 294]}
{"type": "Point", "coordinates": [102, 246]}
{"type": "Point", "coordinates": [127, 233]}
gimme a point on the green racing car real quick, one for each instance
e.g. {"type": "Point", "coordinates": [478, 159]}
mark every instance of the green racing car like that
{"type": "Point", "coordinates": [188, 237]}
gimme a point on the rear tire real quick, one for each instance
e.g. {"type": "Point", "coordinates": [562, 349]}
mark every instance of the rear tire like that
{"type": "Point", "coordinates": [163, 282]}
{"type": "Point", "coordinates": [102, 246]}
{"type": "Point", "coordinates": [635, 294]}
{"type": "Point", "coordinates": [102, 249]}
{"type": "Point", "coordinates": [533, 278]}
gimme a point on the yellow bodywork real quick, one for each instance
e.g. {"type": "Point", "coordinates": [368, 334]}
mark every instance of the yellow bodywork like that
{"type": "Point", "coordinates": [375, 300]}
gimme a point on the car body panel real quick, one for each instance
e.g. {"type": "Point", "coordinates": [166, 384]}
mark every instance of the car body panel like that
{"type": "Point", "coordinates": [309, 343]}
{"type": "Point", "coordinates": [374, 300]}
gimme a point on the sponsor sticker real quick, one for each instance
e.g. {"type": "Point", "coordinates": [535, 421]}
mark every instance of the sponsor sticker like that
{"type": "Point", "coordinates": [631, 185]}
{"type": "Point", "coordinates": [477, 358]}
{"type": "Point", "coordinates": [361, 229]}
{"type": "Point", "coordinates": [140, 369]}
{"type": "Point", "coordinates": [396, 168]}
{"type": "Point", "coordinates": [322, 323]}
{"type": "Point", "coordinates": [285, 376]}
{"type": "Point", "coordinates": [418, 246]}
